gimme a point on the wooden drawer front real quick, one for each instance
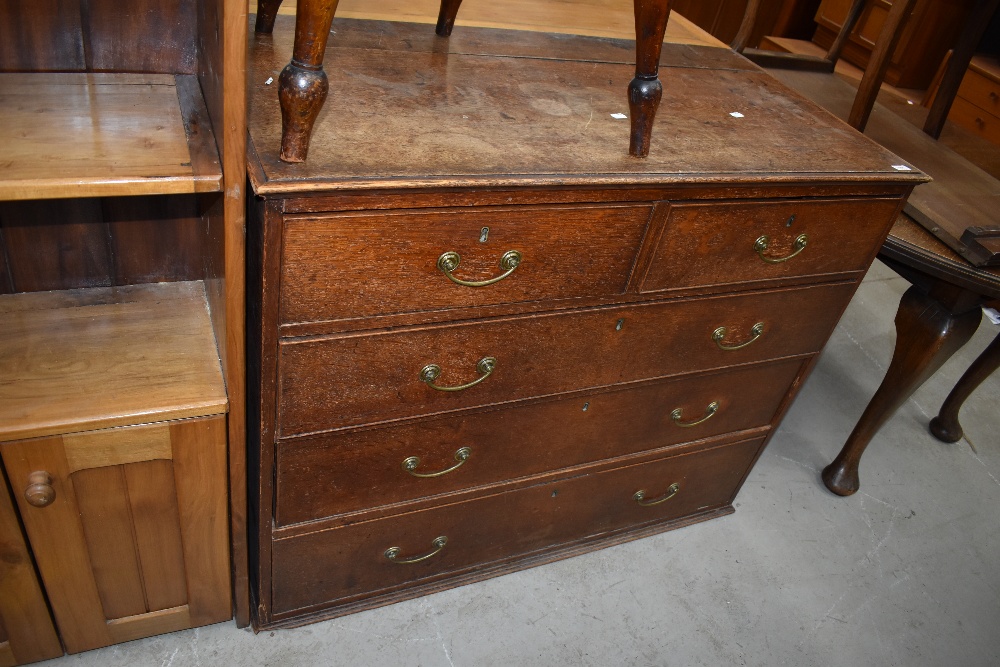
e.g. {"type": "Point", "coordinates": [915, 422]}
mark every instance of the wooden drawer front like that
{"type": "Point", "coordinates": [980, 91]}
{"type": "Point", "coordinates": [977, 120]}
{"type": "Point", "coordinates": [330, 565]}
{"type": "Point", "coordinates": [712, 244]}
{"type": "Point", "coordinates": [359, 265]}
{"type": "Point", "coordinates": [364, 378]}
{"type": "Point", "coordinates": [351, 471]}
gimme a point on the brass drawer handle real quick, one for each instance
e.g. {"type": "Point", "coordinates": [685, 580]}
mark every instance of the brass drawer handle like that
{"type": "Point", "coordinates": [392, 553]}
{"type": "Point", "coordinates": [760, 245]}
{"type": "Point", "coordinates": [450, 260]}
{"type": "Point", "coordinates": [720, 334]}
{"type": "Point", "coordinates": [640, 496]}
{"type": "Point", "coordinates": [676, 415]}
{"type": "Point", "coordinates": [410, 464]}
{"type": "Point", "coordinates": [432, 372]}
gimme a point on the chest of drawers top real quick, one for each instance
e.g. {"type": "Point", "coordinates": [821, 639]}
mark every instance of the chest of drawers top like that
{"type": "Point", "coordinates": [408, 111]}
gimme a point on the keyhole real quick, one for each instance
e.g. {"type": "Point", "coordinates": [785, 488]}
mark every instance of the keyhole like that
{"type": "Point", "coordinates": [555, 493]}
{"type": "Point", "coordinates": [586, 406]}
{"type": "Point", "coordinates": [790, 221]}
{"type": "Point", "coordinates": [621, 323]}
{"type": "Point", "coordinates": [484, 234]}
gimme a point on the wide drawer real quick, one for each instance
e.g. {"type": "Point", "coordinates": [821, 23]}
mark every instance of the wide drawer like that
{"type": "Point", "coordinates": [354, 265]}
{"type": "Point", "coordinates": [704, 244]}
{"type": "Point", "coordinates": [353, 379]}
{"type": "Point", "coordinates": [350, 471]}
{"type": "Point", "coordinates": [351, 561]}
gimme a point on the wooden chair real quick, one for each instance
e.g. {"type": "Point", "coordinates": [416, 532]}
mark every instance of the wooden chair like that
{"type": "Point", "coordinates": [302, 85]}
{"type": "Point", "coordinates": [874, 74]}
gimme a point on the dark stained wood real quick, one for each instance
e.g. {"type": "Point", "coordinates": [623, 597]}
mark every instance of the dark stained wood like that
{"type": "Point", "coordinates": [593, 366]}
{"type": "Point", "coordinates": [878, 64]}
{"type": "Point", "coordinates": [544, 136]}
{"type": "Point", "coordinates": [645, 90]}
{"type": "Point", "coordinates": [56, 244]}
{"type": "Point", "coordinates": [42, 35]}
{"type": "Point", "coordinates": [121, 37]}
{"type": "Point", "coordinates": [404, 248]}
{"type": "Point", "coordinates": [961, 194]}
{"type": "Point", "coordinates": [347, 562]}
{"type": "Point", "coordinates": [6, 284]}
{"type": "Point", "coordinates": [929, 329]}
{"type": "Point", "coordinates": [155, 239]}
{"type": "Point", "coordinates": [362, 469]}
{"type": "Point", "coordinates": [267, 10]}
{"type": "Point", "coordinates": [356, 379]}
{"type": "Point", "coordinates": [851, 20]}
{"type": "Point", "coordinates": [745, 31]}
{"type": "Point", "coordinates": [945, 426]}
{"type": "Point", "coordinates": [706, 244]}
{"type": "Point", "coordinates": [446, 17]}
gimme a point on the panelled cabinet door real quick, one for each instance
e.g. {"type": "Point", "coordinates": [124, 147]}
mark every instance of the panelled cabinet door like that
{"type": "Point", "coordinates": [128, 527]}
{"type": "Point", "coordinates": [26, 630]}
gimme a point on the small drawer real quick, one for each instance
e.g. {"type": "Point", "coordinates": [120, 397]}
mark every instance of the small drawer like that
{"type": "Point", "coordinates": [323, 476]}
{"type": "Point", "coordinates": [743, 243]}
{"type": "Point", "coordinates": [975, 119]}
{"type": "Point", "coordinates": [338, 564]}
{"type": "Point", "coordinates": [981, 91]}
{"type": "Point", "coordinates": [347, 380]}
{"type": "Point", "coordinates": [354, 265]}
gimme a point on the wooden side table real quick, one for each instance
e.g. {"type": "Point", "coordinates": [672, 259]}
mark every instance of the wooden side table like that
{"type": "Point", "coordinates": [303, 86]}
{"type": "Point", "coordinates": [936, 317]}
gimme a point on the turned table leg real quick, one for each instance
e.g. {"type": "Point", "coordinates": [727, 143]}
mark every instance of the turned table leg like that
{"type": "Point", "coordinates": [446, 17]}
{"type": "Point", "coordinates": [927, 334]}
{"type": "Point", "coordinates": [302, 85]}
{"type": "Point", "coordinates": [945, 426]}
{"type": "Point", "coordinates": [267, 10]}
{"type": "Point", "coordinates": [644, 91]}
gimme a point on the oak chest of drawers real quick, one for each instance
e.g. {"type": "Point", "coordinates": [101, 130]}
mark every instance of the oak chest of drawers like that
{"type": "Point", "coordinates": [483, 338]}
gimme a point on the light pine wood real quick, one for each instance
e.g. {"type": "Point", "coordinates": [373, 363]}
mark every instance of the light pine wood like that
{"type": "Point", "coordinates": [27, 631]}
{"type": "Point", "coordinates": [93, 449]}
{"type": "Point", "coordinates": [102, 497]}
{"type": "Point", "coordinates": [58, 543]}
{"type": "Point", "coordinates": [89, 135]}
{"type": "Point", "coordinates": [151, 495]}
{"type": "Point", "coordinates": [200, 472]}
{"type": "Point", "coordinates": [94, 358]}
{"type": "Point", "coordinates": [128, 549]}
{"type": "Point", "coordinates": [147, 625]}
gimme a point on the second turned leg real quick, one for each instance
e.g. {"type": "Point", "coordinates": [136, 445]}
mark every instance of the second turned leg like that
{"type": "Point", "coordinates": [945, 426]}
{"type": "Point", "coordinates": [446, 17]}
{"type": "Point", "coordinates": [302, 85]}
{"type": "Point", "coordinates": [927, 334]}
{"type": "Point", "coordinates": [645, 90]}
{"type": "Point", "coordinates": [267, 11]}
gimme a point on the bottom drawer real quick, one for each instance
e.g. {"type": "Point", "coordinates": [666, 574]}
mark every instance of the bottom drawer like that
{"type": "Point", "coordinates": [319, 569]}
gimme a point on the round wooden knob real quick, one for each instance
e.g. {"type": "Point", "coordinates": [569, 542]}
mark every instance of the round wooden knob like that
{"type": "Point", "coordinates": [39, 492]}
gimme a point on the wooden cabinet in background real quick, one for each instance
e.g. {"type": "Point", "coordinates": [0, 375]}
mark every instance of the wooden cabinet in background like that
{"type": "Point", "coordinates": [121, 295]}
{"type": "Point", "coordinates": [931, 30]}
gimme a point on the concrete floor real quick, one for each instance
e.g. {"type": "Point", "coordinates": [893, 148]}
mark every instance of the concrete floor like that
{"type": "Point", "coordinates": [905, 572]}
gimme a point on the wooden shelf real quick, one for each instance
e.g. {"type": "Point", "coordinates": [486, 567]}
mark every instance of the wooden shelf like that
{"type": "Point", "coordinates": [91, 135]}
{"type": "Point", "coordinates": [85, 359]}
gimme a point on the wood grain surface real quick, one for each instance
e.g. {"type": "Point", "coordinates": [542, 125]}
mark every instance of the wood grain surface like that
{"type": "Point", "coordinates": [406, 111]}
{"type": "Point", "coordinates": [327, 566]}
{"type": "Point", "coordinates": [359, 470]}
{"type": "Point", "coordinates": [79, 135]}
{"type": "Point", "coordinates": [356, 379]}
{"type": "Point", "coordinates": [84, 359]}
